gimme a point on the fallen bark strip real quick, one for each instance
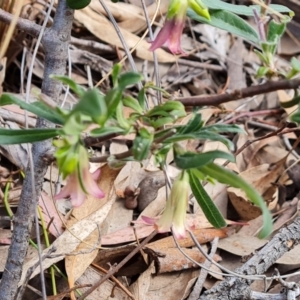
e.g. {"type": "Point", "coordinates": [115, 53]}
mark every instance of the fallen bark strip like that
{"type": "Point", "coordinates": [234, 288]}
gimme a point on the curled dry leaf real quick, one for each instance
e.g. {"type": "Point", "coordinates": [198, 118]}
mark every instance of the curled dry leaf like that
{"type": "Point", "coordinates": [261, 178]}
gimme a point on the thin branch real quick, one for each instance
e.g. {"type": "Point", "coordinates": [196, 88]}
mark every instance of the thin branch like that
{"type": "Point", "coordinates": [270, 86]}
{"type": "Point", "coordinates": [155, 61]}
{"type": "Point", "coordinates": [115, 269]}
{"type": "Point", "coordinates": [203, 274]}
{"type": "Point", "coordinates": [121, 37]}
{"type": "Point", "coordinates": [26, 25]}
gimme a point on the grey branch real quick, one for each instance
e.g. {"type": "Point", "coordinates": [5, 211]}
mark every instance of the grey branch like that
{"type": "Point", "coordinates": [26, 25]}
{"type": "Point", "coordinates": [235, 288]}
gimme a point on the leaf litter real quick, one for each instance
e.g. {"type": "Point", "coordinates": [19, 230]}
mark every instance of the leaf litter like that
{"type": "Point", "coordinates": [101, 233]}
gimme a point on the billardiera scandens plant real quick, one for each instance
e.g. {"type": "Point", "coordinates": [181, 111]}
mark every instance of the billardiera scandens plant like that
{"type": "Point", "coordinates": [172, 30]}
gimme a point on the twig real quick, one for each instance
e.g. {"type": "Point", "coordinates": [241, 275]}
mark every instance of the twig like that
{"type": "Point", "coordinates": [155, 61]}
{"type": "Point", "coordinates": [116, 281]}
{"type": "Point", "coordinates": [250, 114]}
{"type": "Point", "coordinates": [28, 26]}
{"type": "Point", "coordinates": [194, 295]}
{"type": "Point", "coordinates": [250, 91]}
{"type": "Point", "coordinates": [120, 35]}
{"type": "Point", "coordinates": [92, 45]}
{"type": "Point", "coordinates": [115, 269]}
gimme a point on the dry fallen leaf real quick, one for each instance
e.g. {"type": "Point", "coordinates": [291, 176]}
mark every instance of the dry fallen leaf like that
{"type": "Point", "coordinates": [108, 289]}
{"type": "Point", "coordinates": [241, 245]}
{"type": "Point", "coordinates": [67, 242]}
{"type": "Point", "coordinates": [163, 286]}
{"type": "Point", "coordinates": [87, 250]}
{"type": "Point", "coordinates": [93, 21]}
{"type": "Point", "coordinates": [51, 214]}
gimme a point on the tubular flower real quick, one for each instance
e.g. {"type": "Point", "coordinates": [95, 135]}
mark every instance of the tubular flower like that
{"type": "Point", "coordinates": [174, 215]}
{"type": "Point", "coordinates": [173, 28]}
{"type": "Point", "coordinates": [170, 34]}
{"type": "Point", "coordinates": [81, 183]}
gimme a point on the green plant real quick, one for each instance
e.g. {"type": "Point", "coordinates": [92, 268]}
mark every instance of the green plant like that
{"type": "Point", "coordinates": [156, 133]}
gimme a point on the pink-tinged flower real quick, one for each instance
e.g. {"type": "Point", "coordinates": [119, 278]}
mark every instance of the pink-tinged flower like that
{"type": "Point", "coordinates": [173, 28]}
{"type": "Point", "coordinates": [174, 215]}
{"type": "Point", "coordinates": [170, 34]}
{"type": "Point", "coordinates": [79, 185]}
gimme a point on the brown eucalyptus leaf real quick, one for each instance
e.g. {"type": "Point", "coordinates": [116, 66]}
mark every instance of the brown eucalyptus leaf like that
{"type": "Point", "coordinates": [93, 21]}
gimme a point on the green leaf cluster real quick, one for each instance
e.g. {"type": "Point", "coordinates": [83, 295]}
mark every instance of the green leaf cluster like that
{"type": "Point", "coordinates": [201, 167]}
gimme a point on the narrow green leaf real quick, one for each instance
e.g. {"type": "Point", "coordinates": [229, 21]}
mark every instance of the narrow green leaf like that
{"type": "Point", "coordinates": [92, 104]}
{"type": "Point", "coordinates": [19, 136]}
{"type": "Point", "coordinates": [190, 160]}
{"type": "Point", "coordinates": [295, 63]}
{"type": "Point", "coordinates": [133, 104]}
{"type": "Point", "coordinates": [115, 74]}
{"type": "Point", "coordinates": [113, 98]}
{"type": "Point", "coordinates": [195, 124]}
{"type": "Point", "coordinates": [291, 103]}
{"type": "Point", "coordinates": [224, 128]}
{"type": "Point", "coordinates": [201, 135]}
{"type": "Point", "coordinates": [242, 9]}
{"type": "Point", "coordinates": [99, 132]}
{"type": "Point", "coordinates": [228, 177]}
{"type": "Point", "coordinates": [262, 71]}
{"type": "Point", "coordinates": [161, 122]}
{"type": "Point", "coordinates": [275, 31]}
{"type": "Point", "coordinates": [175, 108]}
{"type": "Point", "coordinates": [296, 117]}
{"type": "Point", "coordinates": [121, 118]}
{"type": "Point", "coordinates": [128, 79]}
{"type": "Point", "coordinates": [269, 48]}
{"type": "Point", "coordinates": [142, 144]}
{"type": "Point", "coordinates": [208, 207]}
{"type": "Point", "coordinates": [228, 21]}
{"type": "Point", "coordinates": [38, 108]}
{"type": "Point", "coordinates": [142, 98]}
{"type": "Point", "coordinates": [76, 88]}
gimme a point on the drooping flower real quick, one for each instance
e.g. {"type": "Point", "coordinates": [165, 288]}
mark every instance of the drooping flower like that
{"type": "Point", "coordinates": [170, 34]}
{"type": "Point", "coordinates": [174, 215]}
{"type": "Point", "coordinates": [81, 182]}
{"type": "Point", "coordinates": [76, 192]}
{"type": "Point", "coordinates": [173, 28]}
